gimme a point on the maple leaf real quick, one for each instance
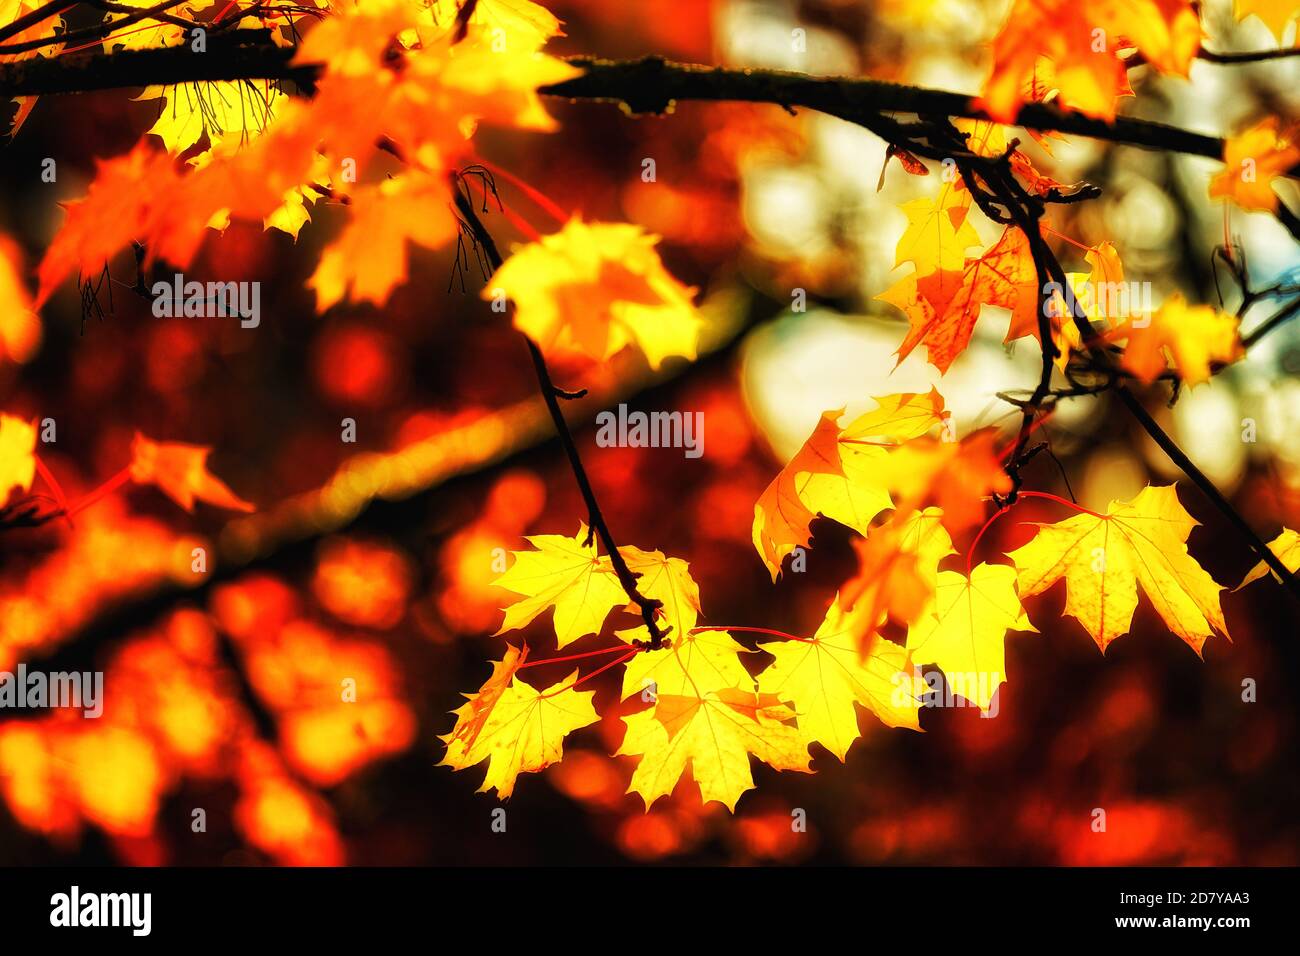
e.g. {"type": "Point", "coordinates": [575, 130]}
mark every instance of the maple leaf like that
{"type": "Point", "coordinates": [368, 259]}
{"type": "Point", "coordinates": [695, 664]}
{"type": "Point", "coordinates": [514, 726]}
{"type": "Point", "coordinates": [668, 581]}
{"type": "Point", "coordinates": [935, 241]}
{"type": "Point", "coordinates": [823, 677]}
{"type": "Point", "coordinates": [1287, 548]}
{"type": "Point", "coordinates": [1104, 557]}
{"type": "Point", "coordinates": [516, 24]}
{"type": "Point", "coordinates": [1004, 276]}
{"type": "Point", "coordinates": [963, 633]}
{"type": "Point", "coordinates": [180, 471]}
{"type": "Point", "coordinates": [1078, 41]}
{"type": "Point", "coordinates": [715, 733]}
{"type": "Point", "coordinates": [566, 574]}
{"type": "Point", "coordinates": [595, 288]}
{"type": "Point", "coordinates": [1275, 14]}
{"type": "Point", "coordinates": [956, 476]}
{"type": "Point", "coordinates": [20, 327]}
{"type": "Point", "coordinates": [833, 474]}
{"type": "Point", "coordinates": [1195, 336]}
{"type": "Point", "coordinates": [1251, 161]}
{"type": "Point", "coordinates": [898, 567]}
{"type": "Point", "coordinates": [17, 456]}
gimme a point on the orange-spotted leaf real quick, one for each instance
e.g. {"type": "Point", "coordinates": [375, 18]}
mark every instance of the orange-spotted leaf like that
{"type": "Point", "coordinates": [1103, 558]}
{"type": "Point", "coordinates": [180, 471]}
{"type": "Point", "coordinates": [1003, 276]}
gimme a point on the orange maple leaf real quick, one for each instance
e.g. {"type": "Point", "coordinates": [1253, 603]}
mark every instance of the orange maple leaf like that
{"type": "Point", "coordinates": [180, 471]}
{"type": "Point", "coordinates": [1003, 276]}
{"type": "Point", "coordinates": [1251, 161]}
{"type": "Point", "coordinates": [1078, 42]}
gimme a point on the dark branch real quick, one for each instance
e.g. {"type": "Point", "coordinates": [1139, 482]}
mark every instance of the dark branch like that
{"type": "Point", "coordinates": [551, 394]}
{"type": "Point", "coordinates": [649, 85]}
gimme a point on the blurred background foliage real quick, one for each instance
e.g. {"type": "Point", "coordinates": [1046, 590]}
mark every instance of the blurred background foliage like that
{"type": "Point", "coordinates": [374, 561]}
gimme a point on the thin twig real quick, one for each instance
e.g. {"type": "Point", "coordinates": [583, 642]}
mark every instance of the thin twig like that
{"type": "Point", "coordinates": [551, 395]}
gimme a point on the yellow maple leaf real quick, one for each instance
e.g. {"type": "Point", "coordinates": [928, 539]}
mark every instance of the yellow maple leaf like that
{"type": "Point", "coordinates": [963, 633]}
{"type": "Point", "coordinates": [17, 455]}
{"type": "Point", "coordinates": [1195, 337]}
{"type": "Point", "coordinates": [514, 726]}
{"type": "Point", "coordinates": [20, 327]}
{"type": "Point", "coordinates": [667, 580]}
{"type": "Point", "coordinates": [1287, 548]}
{"type": "Point", "coordinates": [1251, 160]}
{"type": "Point", "coordinates": [694, 664]}
{"type": "Point", "coordinates": [1275, 14]}
{"type": "Point", "coordinates": [715, 733]}
{"type": "Point", "coordinates": [823, 677]}
{"type": "Point", "coordinates": [596, 288]}
{"type": "Point", "coordinates": [1104, 557]}
{"type": "Point", "coordinates": [369, 258]}
{"type": "Point", "coordinates": [229, 113]}
{"type": "Point", "coordinates": [510, 24]}
{"type": "Point", "coordinates": [180, 471]}
{"type": "Point", "coordinates": [834, 474]}
{"type": "Point", "coordinates": [564, 573]}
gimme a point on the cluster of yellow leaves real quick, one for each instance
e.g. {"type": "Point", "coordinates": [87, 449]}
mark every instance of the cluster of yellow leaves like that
{"type": "Point", "coordinates": [1251, 161]}
{"type": "Point", "coordinates": [595, 288]}
{"type": "Point", "coordinates": [1070, 48]}
{"type": "Point", "coordinates": [708, 713]}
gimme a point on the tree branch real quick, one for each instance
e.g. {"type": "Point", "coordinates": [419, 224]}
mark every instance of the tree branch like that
{"type": "Point", "coordinates": [552, 396]}
{"type": "Point", "coordinates": [648, 85]}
